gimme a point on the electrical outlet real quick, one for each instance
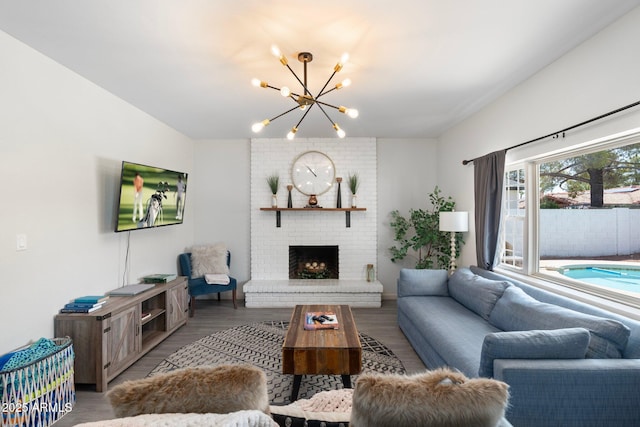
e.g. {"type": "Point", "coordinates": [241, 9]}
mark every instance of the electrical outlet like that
{"type": "Point", "coordinates": [21, 242]}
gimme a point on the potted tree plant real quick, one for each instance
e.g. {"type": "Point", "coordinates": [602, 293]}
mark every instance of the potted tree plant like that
{"type": "Point", "coordinates": [273, 181]}
{"type": "Point", "coordinates": [419, 235]}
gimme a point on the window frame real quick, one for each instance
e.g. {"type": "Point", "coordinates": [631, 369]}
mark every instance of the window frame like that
{"type": "Point", "coordinates": [531, 256]}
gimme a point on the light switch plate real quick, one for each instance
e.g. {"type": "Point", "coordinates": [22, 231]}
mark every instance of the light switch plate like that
{"type": "Point", "coordinates": [21, 242]}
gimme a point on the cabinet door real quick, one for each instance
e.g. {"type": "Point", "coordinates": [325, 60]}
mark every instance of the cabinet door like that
{"type": "Point", "coordinates": [178, 305]}
{"type": "Point", "coordinates": [123, 339]}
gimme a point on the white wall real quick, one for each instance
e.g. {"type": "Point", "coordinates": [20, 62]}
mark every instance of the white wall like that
{"type": "Point", "coordinates": [600, 75]}
{"type": "Point", "coordinates": [222, 169]}
{"type": "Point", "coordinates": [62, 141]}
{"type": "Point", "coordinates": [406, 175]}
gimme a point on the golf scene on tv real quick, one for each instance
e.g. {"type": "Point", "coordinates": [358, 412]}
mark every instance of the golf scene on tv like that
{"type": "Point", "coordinates": [150, 197]}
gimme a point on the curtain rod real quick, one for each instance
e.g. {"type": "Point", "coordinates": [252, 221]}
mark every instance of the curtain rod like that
{"type": "Point", "coordinates": [626, 107]}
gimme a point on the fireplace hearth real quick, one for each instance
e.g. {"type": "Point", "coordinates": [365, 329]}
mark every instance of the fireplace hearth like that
{"type": "Point", "coordinates": [313, 262]}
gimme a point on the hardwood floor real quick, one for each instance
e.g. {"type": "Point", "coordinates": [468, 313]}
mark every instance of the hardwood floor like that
{"type": "Point", "coordinates": [212, 316]}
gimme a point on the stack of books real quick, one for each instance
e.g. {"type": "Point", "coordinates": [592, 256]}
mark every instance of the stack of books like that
{"type": "Point", "coordinates": [159, 278]}
{"type": "Point", "coordinates": [315, 320]}
{"type": "Point", "coordinates": [85, 304]}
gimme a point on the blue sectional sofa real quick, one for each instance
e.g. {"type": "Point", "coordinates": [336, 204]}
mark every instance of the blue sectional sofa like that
{"type": "Point", "coordinates": [566, 363]}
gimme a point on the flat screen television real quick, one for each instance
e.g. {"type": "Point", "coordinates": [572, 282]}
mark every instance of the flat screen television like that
{"type": "Point", "coordinates": [150, 197]}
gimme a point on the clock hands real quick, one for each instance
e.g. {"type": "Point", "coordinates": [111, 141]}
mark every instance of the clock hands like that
{"type": "Point", "coordinates": [311, 170]}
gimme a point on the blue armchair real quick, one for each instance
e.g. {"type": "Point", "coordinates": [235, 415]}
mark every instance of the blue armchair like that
{"type": "Point", "coordinates": [200, 287]}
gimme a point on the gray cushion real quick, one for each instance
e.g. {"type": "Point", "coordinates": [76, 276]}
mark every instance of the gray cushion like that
{"type": "Point", "coordinates": [475, 292]}
{"type": "Point", "coordinates": [568, 343]}
{"type": "Point", "coordinates": [422, 282]}
{"type": "Point", "coordinates": [517, 311]}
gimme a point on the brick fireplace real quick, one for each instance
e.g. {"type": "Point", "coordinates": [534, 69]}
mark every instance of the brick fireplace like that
{"type": "Point", "coordinates": [356, 245]}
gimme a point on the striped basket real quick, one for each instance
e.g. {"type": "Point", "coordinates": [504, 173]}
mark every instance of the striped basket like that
{"type": "Point", "coordinates": [40, 393]}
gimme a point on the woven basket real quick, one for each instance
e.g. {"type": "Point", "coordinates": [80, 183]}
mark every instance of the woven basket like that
{"type": "Point", "coordinates": [40, 393]}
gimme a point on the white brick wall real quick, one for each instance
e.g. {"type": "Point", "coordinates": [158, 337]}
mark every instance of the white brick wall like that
{"type": "Point", "coordinates": [270, 245]}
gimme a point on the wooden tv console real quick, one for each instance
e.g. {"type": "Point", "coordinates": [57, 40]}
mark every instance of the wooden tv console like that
{"type": "Point", "coordinates": [109, 340]}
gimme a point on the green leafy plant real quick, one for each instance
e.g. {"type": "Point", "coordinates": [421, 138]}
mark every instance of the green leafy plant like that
{"type": "Point", "coordinates": [419, 236]}
{"type": "Point", "coordinates": [273, 181]}
{"type": "Point", "coordinates": [353, 181]}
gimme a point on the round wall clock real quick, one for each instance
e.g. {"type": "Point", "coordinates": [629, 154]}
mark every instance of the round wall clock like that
{"type": "Point", "coordinates": [313, 173]}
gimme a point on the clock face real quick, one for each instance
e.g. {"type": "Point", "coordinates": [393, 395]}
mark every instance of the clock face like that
{"type": "Point", "coordinates": [313, 172]}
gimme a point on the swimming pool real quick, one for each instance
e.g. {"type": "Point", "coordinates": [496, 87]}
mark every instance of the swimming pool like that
{"type": "Point", "coordinates": [626, 279]}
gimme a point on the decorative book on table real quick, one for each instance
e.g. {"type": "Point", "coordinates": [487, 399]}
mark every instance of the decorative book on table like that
{"type": "Point", "coordinates": [315, 320]}
{"type": "Point", "coordinates": [91, 299]}
{"type": "Point", "coordinates": [159, 278]}
{"type": "Point", "coordinates": [80, 308]}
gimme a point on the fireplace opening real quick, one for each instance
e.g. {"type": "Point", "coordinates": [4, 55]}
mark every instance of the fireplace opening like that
{"type": "Point", "coordinates": [313, 262]}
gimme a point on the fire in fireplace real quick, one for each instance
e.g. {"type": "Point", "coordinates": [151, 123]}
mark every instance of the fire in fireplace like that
{"type": "Point", "coordinates": [313, 262]}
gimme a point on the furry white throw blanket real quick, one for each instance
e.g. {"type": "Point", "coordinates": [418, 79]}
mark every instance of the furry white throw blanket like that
{"type": "Point", "coordinates": [233, 419]}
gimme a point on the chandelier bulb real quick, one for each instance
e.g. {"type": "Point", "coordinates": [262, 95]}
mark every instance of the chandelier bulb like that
{"type": "Point", "coordinates": [292, 133]}
{"type": "Point", "coordinates": [353, 113]}
{"type": "Point", "coordinates": [343, 60]}
{"type": "Point", "coordinates": [276, 51]}
{"type": "Point", "coordinates": [339, 131]}
{"type": "Point", "coordinates": [285, 91]}
{"type": "Point", "coordinates": [344, 83]}
{"type": "Point", "coordinates": [258, 83]}
{"type": "Point", "coordinates": [257, 127]}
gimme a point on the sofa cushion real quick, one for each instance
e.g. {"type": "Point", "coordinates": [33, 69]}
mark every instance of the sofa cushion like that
{"type": "Point", "coordinates": [568, 343]}
{"type": "Point", "coordinates": [440, 397]}
{"type": "Point", "coordinates": [422, 282]}
{"type": "Point", "coordinates": [476, 293]}
{"type": "Point", "coordinates": [517, 311]}
{"type": "Point", "coordinates": [454, 333]}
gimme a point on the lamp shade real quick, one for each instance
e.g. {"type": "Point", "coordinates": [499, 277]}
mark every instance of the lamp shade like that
{"type": "Point", "coordinates": [454, 221]}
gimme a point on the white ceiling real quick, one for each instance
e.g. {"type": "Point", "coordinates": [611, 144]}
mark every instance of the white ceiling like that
{"type": "Point", "coordinates": [417, 66]}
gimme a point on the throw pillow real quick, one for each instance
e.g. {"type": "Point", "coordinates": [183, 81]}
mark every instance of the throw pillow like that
{"type": "Point", "coordinates": [324, 409]}
{"type": "Point", "coordinates": [422, 282]}
{"type": "Point", "coordinates": [476, 293]}
{"type": "Point", "coordinates": [569, 343]}
{"type": "Point", "coordinates": [434, 398]}
{"type": "Point", "coordinates": [219, 390]}
{"type": "Point", "coordinates": [209, 260]}
{"type": "Point", "coordinates": [517, 311]}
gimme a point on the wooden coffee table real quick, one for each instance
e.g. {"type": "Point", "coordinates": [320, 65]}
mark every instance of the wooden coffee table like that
{"type": "Point", "coordinates": [323, 351]}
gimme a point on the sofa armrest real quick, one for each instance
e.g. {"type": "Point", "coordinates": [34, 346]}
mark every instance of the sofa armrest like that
{"type": "Point", "coordinates": [414, 282]}
{"type": "Point", "coordinates": [584, 392]}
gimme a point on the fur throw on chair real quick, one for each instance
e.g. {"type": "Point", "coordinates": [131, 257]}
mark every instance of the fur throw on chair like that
{"type": "Point", "coordinates": [441, 398]}
{"type": "Point", "coordinates": [220, 390]}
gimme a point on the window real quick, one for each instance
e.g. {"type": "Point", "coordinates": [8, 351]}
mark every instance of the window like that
{"type": "Point", "coordinates": [585, 222]}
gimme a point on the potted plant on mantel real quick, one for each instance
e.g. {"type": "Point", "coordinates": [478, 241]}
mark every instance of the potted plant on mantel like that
{"type": "Point", "coordinates": [353, 181]}
{"type": "Point", "coordinates": [421, 234]}
{"type": "Point", "coordinates": [273, 181]}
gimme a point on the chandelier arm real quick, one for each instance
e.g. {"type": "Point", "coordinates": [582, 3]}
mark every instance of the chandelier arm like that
{"type": "Point", "coordinates": [326, 84]}
{"type": "Point", "coordinates": [282, 114]}
{"type": "Point", "coordinates": [324, 93]}
{"type": "Point", "coordinates": [326, 105]}
{"type": "Point", "coordinates": [325, 113]}
{"type": "Point", "coordinates": [304, 115]}
{"type": "Point", "coordinates": [298, 79]}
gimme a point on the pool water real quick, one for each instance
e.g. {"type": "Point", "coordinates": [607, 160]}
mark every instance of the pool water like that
{"type": "Point", "coordinates": [624, 279]}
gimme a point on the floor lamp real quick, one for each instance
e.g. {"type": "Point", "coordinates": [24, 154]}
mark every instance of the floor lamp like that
{"type": "Point", "coordinates": [454, 222]}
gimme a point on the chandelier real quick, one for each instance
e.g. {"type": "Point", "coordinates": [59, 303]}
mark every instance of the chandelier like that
{"type": "Point", "coordinates": [306, 101]}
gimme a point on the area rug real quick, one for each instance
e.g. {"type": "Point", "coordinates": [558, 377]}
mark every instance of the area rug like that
{"type": "Point", "coordinates": [260, 344]}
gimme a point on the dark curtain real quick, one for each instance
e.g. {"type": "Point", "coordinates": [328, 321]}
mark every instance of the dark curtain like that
{"type": "Point", "coordinates": [488, 173]}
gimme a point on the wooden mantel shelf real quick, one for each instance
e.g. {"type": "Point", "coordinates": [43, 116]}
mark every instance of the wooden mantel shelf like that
{"type": "Point", "coordinates": [347, 212]}
{"type": "Point", "coordinates": [314, 209]}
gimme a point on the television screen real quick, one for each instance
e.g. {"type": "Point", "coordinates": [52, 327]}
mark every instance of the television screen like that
{"type": "Point", "coordinates": [150, 197]}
